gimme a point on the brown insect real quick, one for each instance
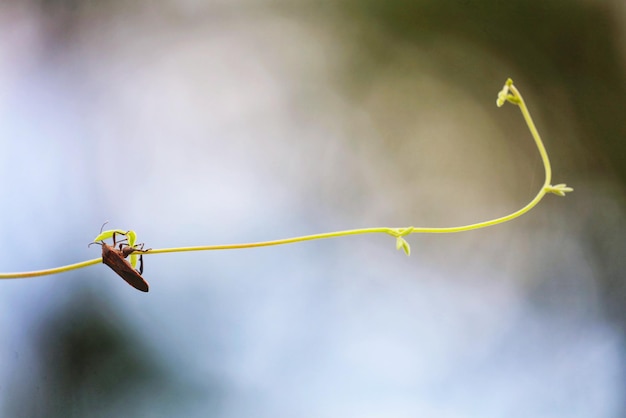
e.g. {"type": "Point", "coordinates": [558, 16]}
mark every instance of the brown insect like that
{"type": "Point", "coordinates": [115, 258]}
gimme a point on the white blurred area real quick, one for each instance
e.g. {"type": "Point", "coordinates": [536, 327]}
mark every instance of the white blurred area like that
{"type": "Point", "coordinates": [228, 122]}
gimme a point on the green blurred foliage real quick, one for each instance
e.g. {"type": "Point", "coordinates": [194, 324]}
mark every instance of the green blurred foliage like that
{"type": "Point", "coordinates": [559, 45]}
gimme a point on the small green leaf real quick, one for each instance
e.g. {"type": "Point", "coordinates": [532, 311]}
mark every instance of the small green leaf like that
{"type": "Point", "coordinates": [133, 260]}
{"type": "Point", "coordinates": [402, 244]}
{"type": "Point", "coordinates": [132, 238]}
{"type": "Point", "coordinates": [559, 189]}
{"type": "Point", "coordinates": [505, 94]}
{"type": "Point", "coordinates": [108, 234]}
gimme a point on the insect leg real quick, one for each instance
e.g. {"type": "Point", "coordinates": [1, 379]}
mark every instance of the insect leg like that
{"type": "Point", "coordinates": [140, 265]}
{"type": "Point", "coordinates": [115, 242]}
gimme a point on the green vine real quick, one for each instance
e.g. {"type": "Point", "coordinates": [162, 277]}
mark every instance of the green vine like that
{"type": "Point", "coordinates": [508, 94]}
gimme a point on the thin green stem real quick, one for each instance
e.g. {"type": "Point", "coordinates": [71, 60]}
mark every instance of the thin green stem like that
{"type": "Point", "coordinates": [533, 130]}
{"type": "Point", "coordinates": [508, 94]}
{"type": "Point", "coordinates": [292, 240]}
{"type": "Point", "coordinates": [56, 270]}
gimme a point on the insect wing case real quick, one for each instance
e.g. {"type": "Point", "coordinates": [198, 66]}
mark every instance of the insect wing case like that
{"type": "Point", "coordinates": [115, 260]}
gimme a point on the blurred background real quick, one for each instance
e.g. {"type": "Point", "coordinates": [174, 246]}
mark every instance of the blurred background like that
{"type": "Point", "coordinates": [225, 121]}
